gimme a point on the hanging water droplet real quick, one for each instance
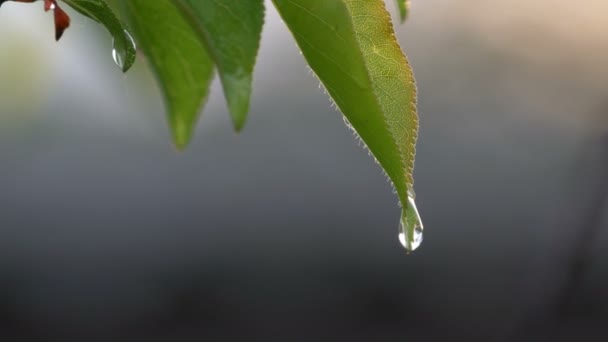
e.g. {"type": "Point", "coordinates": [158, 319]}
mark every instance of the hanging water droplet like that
{"type": "Point", "coordinates": [120, 50]}
{"type": "Point", "coordinates": [410, 225]}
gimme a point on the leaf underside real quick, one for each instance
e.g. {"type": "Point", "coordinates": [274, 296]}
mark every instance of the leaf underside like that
{"type": "Point", "coordinates": [404, 9]}
{"type": "Point", "coordinates": [351, 46]}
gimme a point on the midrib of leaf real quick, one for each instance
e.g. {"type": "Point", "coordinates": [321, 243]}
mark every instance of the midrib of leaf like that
{"type": "Point", "coordinates": [333, 61]}
{"type": "Point", "coordinates": [375, 131]}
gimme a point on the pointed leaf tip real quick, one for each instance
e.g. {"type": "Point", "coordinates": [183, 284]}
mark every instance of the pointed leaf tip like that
{"type": "Point", "coordinates": [231, 31]}
{"type": "Point", "coordinates": [404, 9]}
{"type": "Point", "coordinates": [351, 47]}
{"type": "Point", "coordinates": [179, 59]}
{"type": "Point", "coordinates": [237, 92]}
{"type": "Point", "coordinates": [181, 132]}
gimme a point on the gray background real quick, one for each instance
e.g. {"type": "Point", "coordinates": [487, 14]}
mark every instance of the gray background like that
{"type": "Point", "coordinates": [288, 230]}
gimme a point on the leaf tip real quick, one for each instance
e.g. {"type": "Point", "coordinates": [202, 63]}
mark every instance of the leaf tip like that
{"type": "Point", "coordinates": [238, 97]}
{"type": "Point", "coordinates": [127, 67]}
{"type": "Point", "coordinates": [404, 10]}
{"type": "Point", "coordinates": [182, 134]}
{"type": "Point", "coordinates": [180, 146]}
{"type": "Point", "coordinates": [238, 125]}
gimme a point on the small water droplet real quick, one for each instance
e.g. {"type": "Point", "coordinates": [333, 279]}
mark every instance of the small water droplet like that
{"type": "Point", "coordinates": [120, 49]}
{"type": "Point", "coordinates": [410, 225]}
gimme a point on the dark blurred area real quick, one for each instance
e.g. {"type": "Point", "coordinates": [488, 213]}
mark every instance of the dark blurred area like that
{"type": "Point", "coordinates": [288, 230]}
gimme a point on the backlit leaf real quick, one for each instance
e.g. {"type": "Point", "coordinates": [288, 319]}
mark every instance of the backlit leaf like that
{"type": "Point", "coordinates": [351, 46]}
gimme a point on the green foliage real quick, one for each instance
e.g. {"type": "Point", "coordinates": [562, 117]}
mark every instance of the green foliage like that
{"type": "Point", "coordinates": [231, 30]}
{"type": "Point", "coordinates": [404, 9]}
{"type": "Point", "coordinates": [349, 44]}
{"type": "Point", "coordinates": [352, 48]}
{"type": "Point", "coordinates": [177, 55]}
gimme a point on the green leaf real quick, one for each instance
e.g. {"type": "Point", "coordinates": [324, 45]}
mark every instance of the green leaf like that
{"type": "Point", "coordinates": [351, 46]}
{"type": "Point", "coordinates": [231, 30]}
{"type": "Point", "coordinates": [175, 52]}
{"type": "Point", "coordinates": [404, 9]}
{"type": "Point", "coordinates": [98, 10]}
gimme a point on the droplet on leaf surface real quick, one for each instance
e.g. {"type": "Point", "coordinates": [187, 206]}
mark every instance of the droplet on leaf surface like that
{"type": "Point", "coordinates": [410, 225]}
{"type": "Point", "coordinates": [120, 50]}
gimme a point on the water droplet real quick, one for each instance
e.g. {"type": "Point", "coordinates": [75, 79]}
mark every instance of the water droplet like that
{"type": "Point", "coordinates": [410, 225]}
{"type": "Point", "coordinates": [120, 49]}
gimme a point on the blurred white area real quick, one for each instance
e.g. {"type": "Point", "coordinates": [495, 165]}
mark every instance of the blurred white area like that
{"type": "Point", "coordinates": [533, 40]}
{"type": "Point", "coordinates": [26, 62]}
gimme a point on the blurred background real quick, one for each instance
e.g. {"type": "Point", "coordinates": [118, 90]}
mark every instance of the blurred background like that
{"type": "Point", "coordinates": [288, 230]}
